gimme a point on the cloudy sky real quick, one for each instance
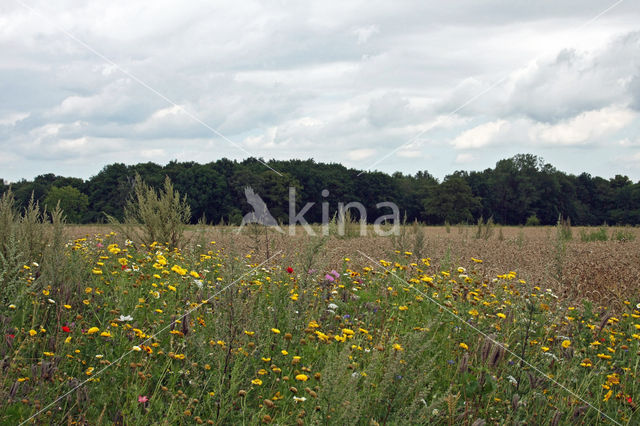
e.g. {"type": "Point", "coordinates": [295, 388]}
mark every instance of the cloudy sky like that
{"type": "Point", "coordinates": [392, 86]}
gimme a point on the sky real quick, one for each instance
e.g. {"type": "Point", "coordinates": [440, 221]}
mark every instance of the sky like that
{"type": "Point", "coordinates": [374, 85]}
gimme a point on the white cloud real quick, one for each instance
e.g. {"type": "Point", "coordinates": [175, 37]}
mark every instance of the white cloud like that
{"type": "Point", "coordinates": [586, 127]}
{"type": "Point", "coordinates": [479, 136]}
{"type": "Point", "coordinates": [365, 33]}
{"type": "Point", "coordinates": [335, 80]}
{"type": "Point", "coordinates": [360, 154]}
{"type": "Point", "coordinates": [12, 118]}
{"type": "Point", "coordinates": [464, 158]}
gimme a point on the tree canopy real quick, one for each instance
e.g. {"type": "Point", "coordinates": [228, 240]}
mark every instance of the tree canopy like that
{"type": "Point", "coordinates": [514, 190]}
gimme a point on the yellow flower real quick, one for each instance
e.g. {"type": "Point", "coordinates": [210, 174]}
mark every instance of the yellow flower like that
{"type": "Point", "coordinates": [603, 356]}
{"type": "Point", "coordinates": [566, 343]}
{"type": "Point", "coordinates": [257, 382]}
{"type": "Point", "coordinates": [48, 353]}
{"type": "Point", "coordinates": [501, 315]}
{"type": "Point", "coordinates": [302, 377]}
{"type": "Point", "coordinates": [544, 349]}
{"type": "Point", "coordinates": [178, 270]}
{"type": "Point", "coordinates": [32, 332]}
{"type": "Point", "coordinates": [464, 346]}
{"type": "Point", "coordinates": [608, 395]}
{"type": "Point", "coordinates": [403, 308]}
{"type": "Point", "coordinates": [93, 330]}
{"type": "Point", "coordinates": [172, 288]}
{"type": "Point", "coordinates": [67, 306]}
{"type": "Point", "coordinates": [67, 340]}
{"type": "Point", "coordinates": [473, 312]}
{"type": "Point", "coordinates": [97, 271]}
{"type": "Point", "coordinates": [397, 347]}
{"type": "Point", "coordinates": [105, 334]}
{"type": "Point", "coordinates": [285, 353]}
{"type": "Point", "coordinates": [275, 330]}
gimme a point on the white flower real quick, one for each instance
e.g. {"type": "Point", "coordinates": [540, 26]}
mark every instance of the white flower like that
{"type": "Point", "coordinates": [638, 306]}
{"type": "Point", "coordinates": [435, 411]}
{"type": "Point", "coordinates": [549, 354]}
{"type": "Point", "coordinates": [512, 380]}
{"type": "Point", "coordinates": [198, 283]}
{"type": "Point", "coordinates": [35, 264]}
{"type": "Point", "coordinates": [124, 318]}
{"type": "Point", "coordinates": [299, 398]}
{"type": "Point", "coordinates": [128, 243]}
{"type": "Point", "coordinates": [53, 302]}
{"type": "Point", "coordinates": [332, 306]}
{"type": "Point", "coordinates": [136, 348]}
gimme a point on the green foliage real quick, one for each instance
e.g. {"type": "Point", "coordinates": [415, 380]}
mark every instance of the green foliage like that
{"type": "Point", "coordinates": [590, 236]}
{"type": "Point", "coordinates": [73, 202]}
{"type": "Point", "coordinates": [152, 216]}
{"type": "Point", "coordinates": [564, 231]}
{"type": "Point", "coordinates": [33, 239]}
{"type": "Point", "coordinates": [514, 192]}
{"type": "Point", "coordinates": [452, 201]}
{"type": "Point", "coordinates": [623, 235]}
{"type": "Point", "coordinates": [532, 221]}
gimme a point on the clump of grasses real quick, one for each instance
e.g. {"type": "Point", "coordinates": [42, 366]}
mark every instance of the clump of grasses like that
{"type": "Point", "coordinates": [33, 241]}
{"type": "Point", "coordinates": [485, 229]}
{"type": "Point", "coordinates": [595, 235]}
{"type": "Point", "coordinates": [623, 235]}
{"type": "Point", "coordinates": [152, 216]}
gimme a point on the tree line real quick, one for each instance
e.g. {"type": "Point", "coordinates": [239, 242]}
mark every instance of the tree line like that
{"type": "Point", "coordinates": [518, 190]}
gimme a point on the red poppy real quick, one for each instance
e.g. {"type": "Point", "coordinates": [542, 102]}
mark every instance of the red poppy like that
{"type": "Point", "coordinates": [629, 400]}
{"type": "Point", "coordinates": [290, 270]}
{"type": "Point", "coordinates": [13, 336]}
{"type": "Point", "coordinates": [66, 329]}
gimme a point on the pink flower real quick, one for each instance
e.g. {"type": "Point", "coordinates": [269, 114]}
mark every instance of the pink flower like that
{"type": "Point", "coordinates": [143, 399]}
{"type": "Point", "coordinates": [100, 245]}
{"type": "Point", "coordinates": [335, 274]}
{"type": "Point", "coordinates": [329, 278]}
